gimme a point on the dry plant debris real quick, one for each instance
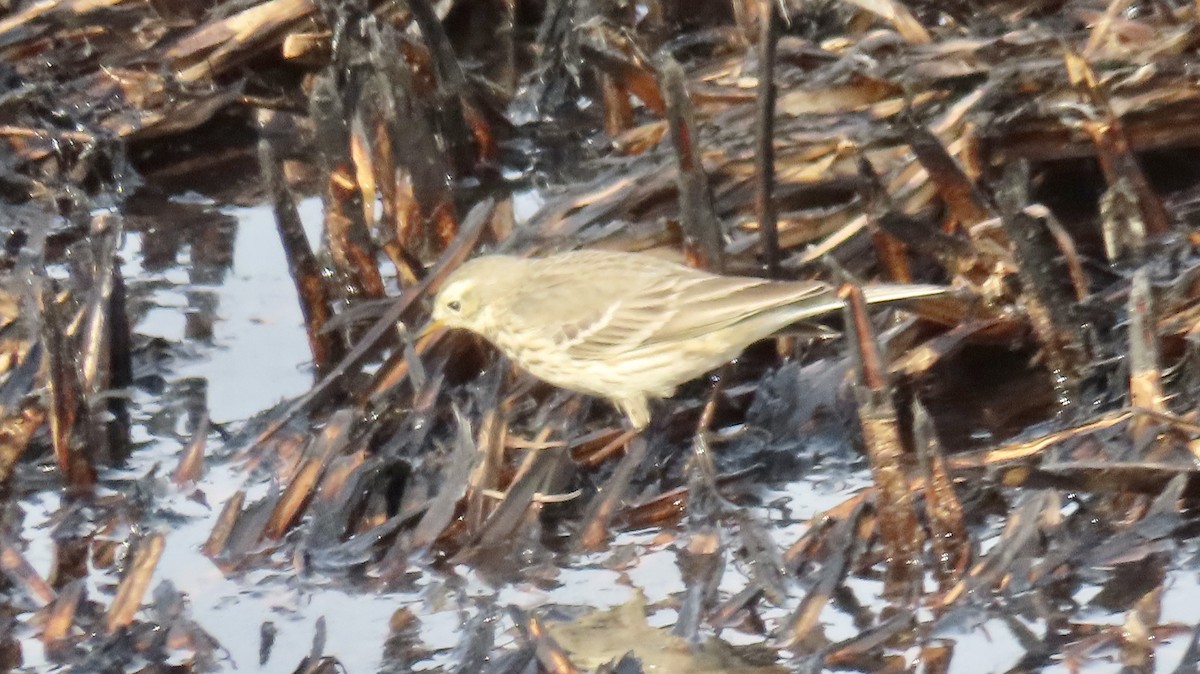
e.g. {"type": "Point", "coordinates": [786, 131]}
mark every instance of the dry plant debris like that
{"type": "Point", "coordinates": [1030, 445]}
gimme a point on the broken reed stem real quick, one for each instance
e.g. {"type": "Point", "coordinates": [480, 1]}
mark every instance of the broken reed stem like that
{"type": "Point", "coordinates": [346, 234]}
{"type": "Point", "coordinates": [105, 361]}
{"type": "Point", "coordinates": [549, 654]}
{"type": "Point", "coordinates": [96, 348]}
{"type": "Point", "coordinates": [1051, 306]}
{"type": "Point", "coordinates": [1113, 149]}
{"type": "Point", "coordinates": [1121, 223]}
{"type": "Point", "coordinates": [958, 191]}
{"type": "Point", "coordinates": [303, 483]}
{"type": "Point", "coordinates": [374, 129]}
{"type": "Point", "coordinates": [1048, 307]}
{"type": "Point", "coordinates": [18, 428]}
{"type": "Point", "coordinates": [191, 460]}
{"type": "Point", "coordinates": [61, 615]}
{"type": "Point", "coordinates": [1070, 254]}
{"type": "Point", "coordinates": [764, 131]}
{"type": "Point", "coordinates": [700, 551]}
{"type": "Point", "coordinates": [428, 222]}
{"type": "Point", "coordinates": [1021, 528]}
{"type": "Point", "coordinates": [218, 538]}
{"type": "Point", "coordinates": [593, 535]}
{"type": "Point", "coordinates": [15, 567]}
{"type": "Point", "coordinates": [893, 255]}
{"type": "Point", "coordinates": [839, 542]}
{"type": "Point", "coordinates": [889, 248]}
{"type": "Point", "coordinates": [897, 521]}
{"type": "Point", "coordinates": [703, 239]}
{"type": "Point", "coordinates": [68, 412]}
{"type": "Point", "coordinates": [451, 87]}
{"type": "Point", "coordinates": [618, 110]}
{"type": "Point", "coordinates": [956, 255]}
{"type": "Point", "coordinates": [1145, 375]}
{"type": "Point", "coordinates": [136, 581]}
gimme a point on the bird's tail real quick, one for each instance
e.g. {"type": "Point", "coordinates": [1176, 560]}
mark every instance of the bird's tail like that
{"type": "Point", "coordinates": [829, 302]}
{"type": "Point", "coordinates": [895, 292]}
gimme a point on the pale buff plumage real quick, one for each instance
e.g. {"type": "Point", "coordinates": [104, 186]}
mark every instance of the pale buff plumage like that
{"type": "Point", "coordinates": [627, 326]}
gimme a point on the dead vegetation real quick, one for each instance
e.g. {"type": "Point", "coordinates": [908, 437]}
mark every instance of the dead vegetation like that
{"type": "Point", "coordinates": [1030, 444]}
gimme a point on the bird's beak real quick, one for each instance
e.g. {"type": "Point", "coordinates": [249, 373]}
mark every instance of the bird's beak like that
{"type": "Point", "coordinates": [429, 328]}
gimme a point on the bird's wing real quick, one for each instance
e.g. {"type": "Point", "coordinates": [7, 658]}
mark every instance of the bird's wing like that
{"type": "Point", "coordinates": [713, 303]}
{"type": "Point", "coordinates": [636, 306]}
{"type": "Point", "coordinates": [588, 320]}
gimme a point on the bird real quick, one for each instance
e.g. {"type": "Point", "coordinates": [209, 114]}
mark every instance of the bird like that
{"type": "Point", "coordinates": [625, 326]}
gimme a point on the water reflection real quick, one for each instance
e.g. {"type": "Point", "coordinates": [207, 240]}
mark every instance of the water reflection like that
{"type": "Point", "coordinates": [213, 283]}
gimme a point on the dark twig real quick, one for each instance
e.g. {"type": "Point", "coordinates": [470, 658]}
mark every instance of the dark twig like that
{"type": "Point", "coordinates": [764, 131]}
{"type": "Point", "coordinates": [451, 83]}
{"type": "Point", "coordinates": [316, 305]}
{"type": "Point", "coordinates": [701, 228]}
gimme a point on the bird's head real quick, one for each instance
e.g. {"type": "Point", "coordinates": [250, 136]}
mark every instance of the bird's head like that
{"type": "Point", "coordinates": [466, 298]}
{"type": "Point", "coordinates": [457, 304]}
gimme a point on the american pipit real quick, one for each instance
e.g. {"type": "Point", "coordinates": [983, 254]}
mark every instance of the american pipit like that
{"type": "Point", "coordinates": [627, 326]}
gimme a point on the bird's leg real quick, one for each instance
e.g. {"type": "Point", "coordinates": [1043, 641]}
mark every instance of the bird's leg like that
{"type": "Point", "coordinates": [660, 421]}
{"type": "Point", "coordinates": [717, 377]}
{"type": "Point", "coordinates": [637, 410]}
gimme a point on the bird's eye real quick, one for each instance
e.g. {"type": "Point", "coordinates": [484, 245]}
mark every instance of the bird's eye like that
{"type": "Point", "coordinates": [454, 305]}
